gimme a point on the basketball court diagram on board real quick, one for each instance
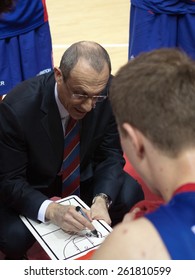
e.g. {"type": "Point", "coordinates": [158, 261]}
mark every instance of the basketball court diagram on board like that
{"type": "Point", "coordinates": [60, 245]}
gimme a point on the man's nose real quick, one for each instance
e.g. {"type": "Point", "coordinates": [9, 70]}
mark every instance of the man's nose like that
{"type": "Point", "coordinates": [88, 104]}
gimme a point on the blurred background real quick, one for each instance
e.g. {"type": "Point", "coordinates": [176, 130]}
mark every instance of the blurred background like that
{"type": "Point", "coordinates": [106, 22]}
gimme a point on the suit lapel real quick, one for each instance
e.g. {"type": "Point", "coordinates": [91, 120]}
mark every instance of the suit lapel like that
{"type": "Point", "coordinates": [51, 120]}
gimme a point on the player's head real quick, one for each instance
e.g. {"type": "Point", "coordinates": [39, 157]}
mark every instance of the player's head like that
{"type": "Point", "coordinates": [155, 93]}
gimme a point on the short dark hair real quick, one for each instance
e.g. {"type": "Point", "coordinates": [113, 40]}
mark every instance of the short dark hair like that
{"type": "Point", "coordinates": [155, 92]}
{"type": "Point", "coordinates": [93, 52]}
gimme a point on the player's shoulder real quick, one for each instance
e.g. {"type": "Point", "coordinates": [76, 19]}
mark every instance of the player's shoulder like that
{"type": "Point", "coordinates": [139, 239]}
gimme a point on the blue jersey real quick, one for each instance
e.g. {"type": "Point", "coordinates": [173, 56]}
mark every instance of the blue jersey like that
{"type": "Point", "coordinates": [175, 222]}
{"type": "Point", "coordinates": [166, 6]}
{"type": "Point", "coordinates": [24, 17]}
{"type": "Point", "coordinates": [156, 24]}
{"type": "Point", "coordinates": [25, 43]}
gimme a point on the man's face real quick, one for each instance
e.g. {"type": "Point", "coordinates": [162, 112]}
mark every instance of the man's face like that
{"type": "Point", "coordinates": [83, 80]}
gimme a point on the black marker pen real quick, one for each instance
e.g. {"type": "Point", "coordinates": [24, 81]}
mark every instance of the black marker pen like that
{"type": "Point", "coordinates": [79, 209]}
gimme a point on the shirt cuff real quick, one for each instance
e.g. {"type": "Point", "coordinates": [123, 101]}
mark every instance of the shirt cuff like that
{"type": "Point", "coordinates": [42, 210]}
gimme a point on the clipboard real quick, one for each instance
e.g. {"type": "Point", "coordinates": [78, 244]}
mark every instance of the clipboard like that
{"type": "Point", "coordinates": [60, 245]}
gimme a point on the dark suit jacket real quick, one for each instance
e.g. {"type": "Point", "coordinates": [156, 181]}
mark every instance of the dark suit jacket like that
{"type": "Point", "coordinates": [31, 147]}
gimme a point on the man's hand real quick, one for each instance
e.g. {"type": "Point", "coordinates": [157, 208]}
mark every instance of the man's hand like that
{"type": "Point", "coordinates": [99, 210]}
{"type": "Point", "coordinates": [67, 218]}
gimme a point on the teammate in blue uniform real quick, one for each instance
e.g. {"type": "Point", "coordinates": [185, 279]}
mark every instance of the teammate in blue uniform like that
{"type": "Point", "coordinates": [25, 43]}
{"type": "Point", "coordinates": [155, 24]}
{"type": "Point", "coordinates": [153, 100]}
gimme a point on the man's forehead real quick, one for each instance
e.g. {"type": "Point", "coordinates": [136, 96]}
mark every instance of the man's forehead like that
{"type": "Point", "coordinates": [83, 70]}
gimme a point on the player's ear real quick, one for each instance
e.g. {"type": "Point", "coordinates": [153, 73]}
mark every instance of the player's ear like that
{"type": "Point", "coordinates": [136, 138]}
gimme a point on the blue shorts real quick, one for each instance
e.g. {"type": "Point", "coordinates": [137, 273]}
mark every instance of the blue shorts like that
{"type": "Point", "coordinates": [25, 56]}
{"type": "Point", "coordinates": [149, 30]}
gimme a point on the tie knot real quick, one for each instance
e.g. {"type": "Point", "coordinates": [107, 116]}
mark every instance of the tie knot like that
{"type": "Point", "coordinates": [71, 124]}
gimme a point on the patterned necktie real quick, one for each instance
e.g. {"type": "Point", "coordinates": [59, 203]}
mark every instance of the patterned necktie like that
{"type": "Point", "coordinates": [71, 160]}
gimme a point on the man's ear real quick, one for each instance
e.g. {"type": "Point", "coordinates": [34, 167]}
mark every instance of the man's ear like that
{"type": "Point", "coordinates": [136, 138]}
{"type": "Point", "coordinates": [58, 74]}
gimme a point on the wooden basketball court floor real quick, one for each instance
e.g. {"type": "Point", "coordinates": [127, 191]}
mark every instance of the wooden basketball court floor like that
{"type": "Point", "coordinates": [103, 21]}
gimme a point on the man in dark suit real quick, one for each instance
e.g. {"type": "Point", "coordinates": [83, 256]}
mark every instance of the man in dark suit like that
{"type": "Point", "coordinates": [32, 117]}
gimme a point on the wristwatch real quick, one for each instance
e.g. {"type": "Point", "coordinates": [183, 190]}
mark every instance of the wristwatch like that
{"type": "Point", "coordinates": [105, 197]}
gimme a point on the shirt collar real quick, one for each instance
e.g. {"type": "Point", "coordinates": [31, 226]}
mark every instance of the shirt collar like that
{"type": "Point", "coordinates": [63, 112]}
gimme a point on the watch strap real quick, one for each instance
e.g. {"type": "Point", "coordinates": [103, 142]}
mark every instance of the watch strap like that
{"type": "Point", "coordinates": [105, 197]}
